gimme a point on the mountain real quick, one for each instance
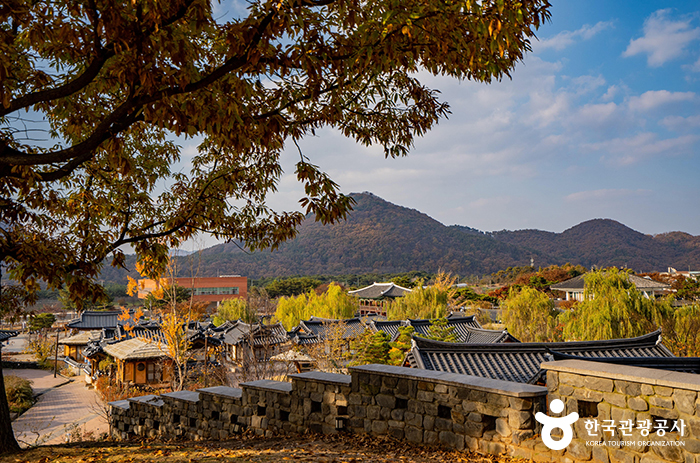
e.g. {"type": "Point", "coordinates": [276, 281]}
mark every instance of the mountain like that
{"type": "Point", "coordinates": [381, 237]}
{"type": "Point", "coordinates": [605, 242]}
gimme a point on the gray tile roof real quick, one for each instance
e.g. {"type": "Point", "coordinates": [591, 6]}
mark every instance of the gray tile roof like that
{"type": "Point", "coordinates": [6, 334]}
{"type": "Point", "coordinates": [263, 335]}
{"type": "Point", "coordinates": [577, 284]}
{"type": "Point", "coordinates": [97, 320]}
{"type": "Point", "coordinates": [319, 327]}
{"type": "Point", "coordinates": [380, 291]}
{"type": "Point", "coordinates": [520, 362]}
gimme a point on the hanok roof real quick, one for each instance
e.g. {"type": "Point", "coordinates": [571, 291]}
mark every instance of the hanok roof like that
{"type": "Point", "coordinates": [82, 338]}
{"type": "Point", "coordinates": [379, 291]}
{"type": "Point", "coordinates": [6, 334]}
{"type": "Point", "coordinates": [262, 335]}
{"type": "Point", "coordinates": [320, 327]}
{"type": "Point", "coordinates": [577, 284]}
{"type": "Point", "coordinates": [467, 329]}
{"type": "Point", "coordinates": [97, 320]}
{"type": "Point", "coordinates": [135, 349]}
{"type": "Point", "coordinates": [520, 362]}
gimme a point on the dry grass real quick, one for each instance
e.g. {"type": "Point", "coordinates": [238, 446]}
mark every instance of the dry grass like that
{"type": "Point", "coordinates": [312, 448]}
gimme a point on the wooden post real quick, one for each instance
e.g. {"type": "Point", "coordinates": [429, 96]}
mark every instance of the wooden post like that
{"type": "Point", "coordinates": [206, 357]}
{"type": "Point", "coordinates": [55, 358]}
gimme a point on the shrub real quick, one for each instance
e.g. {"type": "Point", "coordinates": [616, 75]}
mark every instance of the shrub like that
{"type": "Point", "coordinates": [19, 393]}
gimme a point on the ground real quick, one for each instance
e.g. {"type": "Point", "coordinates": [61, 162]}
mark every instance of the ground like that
{"type": "Point", "coordinates": [310, 448]}
{"type": "Point", "coordinates": [65, 407]}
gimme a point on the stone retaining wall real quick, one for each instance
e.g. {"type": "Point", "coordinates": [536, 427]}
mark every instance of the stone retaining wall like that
{"type": "Point", "coordinates": [456, 411]}
{"type": "Point", "coordinates": [609, 395]}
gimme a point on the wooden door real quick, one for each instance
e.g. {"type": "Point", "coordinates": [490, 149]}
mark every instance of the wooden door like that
{"type": "Point", "coordinates": [140, 373]}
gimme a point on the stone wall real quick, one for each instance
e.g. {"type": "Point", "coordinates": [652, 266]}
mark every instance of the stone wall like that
{"type": "Point", "coordinates": [609, 395]}
{"type": "Point", "coordinates": [456, 411]}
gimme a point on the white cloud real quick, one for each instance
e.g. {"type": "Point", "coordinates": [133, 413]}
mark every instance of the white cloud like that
{"type": "Point", "coordinates": [664, 39]}
{"type": "Point", "coordinates": [630, 150]}
{"type": "Point", "coordinates": [605, 194]}
{"type": "Point", "coordinates": [567, 38]}
{"type": "Point", "coordinates": [610, 94]}
{"type": "Point", "coordinates": [655, 98]}
{"type": "Point", "coordinates": [680, 123]}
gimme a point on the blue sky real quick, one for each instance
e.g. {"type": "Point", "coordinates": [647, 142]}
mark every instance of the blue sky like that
{"type": "Point", "coordinates": [601, 120]}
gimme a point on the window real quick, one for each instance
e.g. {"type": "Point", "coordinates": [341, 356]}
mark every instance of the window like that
{"type": "Point", "coordinates": [215, 291]}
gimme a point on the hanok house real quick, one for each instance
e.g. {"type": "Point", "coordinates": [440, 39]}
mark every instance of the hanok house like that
{"type": "Point", "coordinates": [520, 362]}
{"type": "Point", "coordinates": [574, 287]}
{"type": "Point", "coordinates": [73, 346]}
{"type": "Point", "coordinates": [374, 299]}
{"type": "Point", "coordinates": [316, 330]}
{"type": "Point", "coordinates": [140, 362]}
{"type": "Point", "coordinates": [244, 342]}
{"type": "Point", "coordinates": [466, 328]}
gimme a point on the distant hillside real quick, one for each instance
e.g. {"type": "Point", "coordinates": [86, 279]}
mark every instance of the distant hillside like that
{"type": "Point", "coordinates": [605, 242]}
{"type": "Point", "coordinates": [380, 237]}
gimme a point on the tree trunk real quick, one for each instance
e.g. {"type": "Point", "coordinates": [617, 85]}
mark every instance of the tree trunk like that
{"type": "Point", "coordinates": [8, 443]}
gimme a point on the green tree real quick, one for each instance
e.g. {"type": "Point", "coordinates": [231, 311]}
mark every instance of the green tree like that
{"type": "Point", "coordinates": [440, 330]}
{"type": "Point", "coordinates": [425, 302]}
{"type": "Point", "coordinates": [291, 286]}
{"type": "Point", "coordinates": [334, 303]}
{"type": "Point", "coordinates": [167, 296]}
{"type": "Point", "coordinates": [401, 345]}
{"type": "Point", "coordinates": [371, 347]}
{"type": "Point", "coordinates": [41, 321]}
{"type": "Point", "coordinates": [530, 315]}
{"type": "Point", "coordinates": [234, 309]}
{"type": "Point", "coordinates": [681, 329]}
{"type": "Point", "coordinates": [612, 308]}
{"type": "Point", "coordinates": [114, 81]}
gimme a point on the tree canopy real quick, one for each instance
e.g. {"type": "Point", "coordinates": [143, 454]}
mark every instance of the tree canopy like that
{"type": "Point", "coordinates": [114, 81]}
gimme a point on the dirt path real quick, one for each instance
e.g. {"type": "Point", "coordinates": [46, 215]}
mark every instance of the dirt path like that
{"type": "Point", "coordinates": [63, 407]}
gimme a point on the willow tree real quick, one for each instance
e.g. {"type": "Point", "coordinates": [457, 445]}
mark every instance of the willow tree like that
{"type": "Point", "coordinates": [530, 315]}
{"type": "Point", "coordinates": [612, 308]}
{"type": "Point", "coordinates": [112, 82]}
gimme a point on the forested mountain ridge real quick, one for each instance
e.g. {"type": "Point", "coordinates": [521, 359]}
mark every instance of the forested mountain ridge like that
{"type": "Point", "coordinates": [381, 237]}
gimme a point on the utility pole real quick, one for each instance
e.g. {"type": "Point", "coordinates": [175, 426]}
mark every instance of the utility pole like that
{"type": "Point", "coordinates": [55, 358]}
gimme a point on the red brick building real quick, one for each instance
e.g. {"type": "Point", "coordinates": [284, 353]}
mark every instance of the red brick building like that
{"type": "Point", "coordinates": [210, 289]}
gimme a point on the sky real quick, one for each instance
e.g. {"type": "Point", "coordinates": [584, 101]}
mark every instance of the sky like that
{"type": "Point", "coordinates": [600, 120]}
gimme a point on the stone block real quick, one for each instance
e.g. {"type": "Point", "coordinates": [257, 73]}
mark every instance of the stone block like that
{"type": "Point", "coordinates": [684, 400]}
{"type": "Point", "coordinates": [476, 417]}
{"type": "Point", "coordinates": [565, 390]}
{"type": "Point", "coordinates": [398, 414]}
{"type": "Point", "coordinates": [621, 456]}
{"type": "Point", "coordinates": [522, 404]}
{"type": "Point", "coordinates": [638, 404]}
{"type": "Point", "coordinates": [587, 394]}
{"type": "Point", "coordinates": [497, 400]}
{"type": "Point", "coordinates": [552, 380]}
{"type": "Point", "coordinates": [521, 435]}
{"type": "Point", "coordinates": [430, 437]}
{"type": "Point", "coordinates": [621, 414]}
{"type": "Point", "coordinates": [647, 389]}
{"type": "Point", "coordinates": [428, 422]}
{"type": "Point", "coordinates": [663, 413]}
{"type": "Point", "coordinates": [659, 401]}
{"type": "Point", "coordinates": [670, 453]}
{"type": "Point", "coordinates": [520, 419]}
{"type": "Point", "coordinates": [628, 387]}
{"type": "Point", "coordinates": [451, 440]}
{"type": "Point", "coordinates": [379, 427]}
{"type": "Point", "coordinates": [571, 379]}
{"type": "Point", "coordinates": [442, 424]}
{"type": "Point", "coordinates": [402, 387]}
{"type": "Point", "coordinates": [578, 450]}
{"type": "Point", "coordinates": [413, 419]}
{"type": "Point", "coordinates": [426, 386]}
{"type": "Point", "coordinates": [386, 400]}
{"type": "Point", "coordinates": [598, 384]}
{"type": "Point", "coordinates": [430, 409]}
{"type": "Point", "coordinates": [457, 416]}
{"type": "Point", "coordinates": [390, 382]}
{"type": "Point", "coordinates": [425, 396]}
{"type": "Point", "coordinates": [663, 391]}
{"type": "Point", "coordinates": [473, 429]}
{"type": "Point", "coordinates": [373, 412]}
{"type": "Point", "coordinates": [413, 434]}
{"type": "Point", "coordinates": [519, 452]}
{"type": "Point", "coordinates": [477, 396]}
{"type": "Point", "coordinates": [600, 454]}
{"type": "Point", "coordinates": [440, 389]}
{"type": "Point", "coordinates": [502, 427]}
{"type": "Point", "coordinates": [415, 406]}
{"type": "Point", "coordinates": [694, 426]}
{"type": "Point", "coordinates": [613, 398]}
{"type": "Point", "coordinates": [691, 445]}
{"type": "Point", "coordinates": [396, 433]}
